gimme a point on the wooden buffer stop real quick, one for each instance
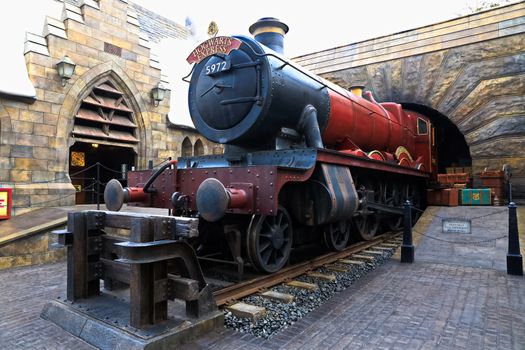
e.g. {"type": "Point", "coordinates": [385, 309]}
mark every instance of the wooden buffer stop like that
{"type": "Point", "coordinates": [157, 265]}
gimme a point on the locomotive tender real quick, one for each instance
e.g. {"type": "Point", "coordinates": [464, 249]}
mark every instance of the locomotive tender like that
{"type": "Point", "coordinates": [302, 155]}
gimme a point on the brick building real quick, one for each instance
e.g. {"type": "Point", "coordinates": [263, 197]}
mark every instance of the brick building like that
{"type": "Point", "coordinates": [104, 113]}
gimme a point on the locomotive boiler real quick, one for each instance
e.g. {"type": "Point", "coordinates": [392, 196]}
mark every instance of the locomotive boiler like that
{"type": "Point", "coordinates": [304, 158]}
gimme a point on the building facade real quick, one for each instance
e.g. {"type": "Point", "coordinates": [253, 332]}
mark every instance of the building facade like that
{"type": "Point", "coordinates": [104, 113]}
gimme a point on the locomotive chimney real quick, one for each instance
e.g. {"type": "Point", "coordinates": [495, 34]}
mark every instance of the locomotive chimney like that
{"type": "Point", "coordinates": [270, 32]}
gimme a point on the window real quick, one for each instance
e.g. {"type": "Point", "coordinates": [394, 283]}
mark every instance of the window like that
{"type": "Point", "coordinates": [187, 148]}
{"type": "Point", "coordinates": [198, 148]}
{"type": "Point", "coordinates": [422, 127]}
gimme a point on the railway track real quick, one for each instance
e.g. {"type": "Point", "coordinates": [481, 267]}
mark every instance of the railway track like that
{"type": "Point", "coordinates": [229, 295]}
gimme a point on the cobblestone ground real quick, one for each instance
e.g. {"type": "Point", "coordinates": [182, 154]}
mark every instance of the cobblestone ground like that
{"type": "Point", "coordinates": [402, 306]}
{"type": "Point", "coordinates": [23, 293]}
{"type": "Point", "coordinates": [455, 296]}
{"type": "Point", "coordinates": [435, 303]}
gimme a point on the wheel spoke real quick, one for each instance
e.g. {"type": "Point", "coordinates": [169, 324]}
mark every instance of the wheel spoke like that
{"type": "Point", "coordinates": [266, 255]}
{"type": "Point", "coordinates": [279, 219]}
{"type": "Point", "coordinates": [262, 248]}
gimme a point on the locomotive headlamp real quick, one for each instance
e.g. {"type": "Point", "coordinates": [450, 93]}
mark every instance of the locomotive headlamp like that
{"type": "Point", "coordinates": [157, 93]}
{"type": "Point", "coordinates": [66, 68]}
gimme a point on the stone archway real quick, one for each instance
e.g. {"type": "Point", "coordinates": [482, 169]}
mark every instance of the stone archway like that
{"type": "Point", "coordinates": [198, 148]}
{"type": "Point", "coordinates": [81, 87]}
{"type": "Point", "coordinates": [479, 87]}
{"type": "Point", "coordinates": [186, 148]}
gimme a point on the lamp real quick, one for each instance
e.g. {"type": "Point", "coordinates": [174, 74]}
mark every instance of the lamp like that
{"type": "Point", "coordinates": [66, 68]}
{"type": "Point", "coordinates": [157, 93]}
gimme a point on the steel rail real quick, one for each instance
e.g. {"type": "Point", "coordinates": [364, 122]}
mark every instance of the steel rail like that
{"type": "Point", "coordinates": [243, 289]}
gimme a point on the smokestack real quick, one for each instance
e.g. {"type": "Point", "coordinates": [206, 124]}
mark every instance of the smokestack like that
{"type": "Point", "coordinates": [270, 32]}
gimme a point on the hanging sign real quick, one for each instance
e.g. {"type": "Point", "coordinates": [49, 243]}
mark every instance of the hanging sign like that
{"type": "Point", "coordinates": [5, 203]}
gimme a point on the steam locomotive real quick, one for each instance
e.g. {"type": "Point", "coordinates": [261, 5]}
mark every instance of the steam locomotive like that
{"type": "Point", "coordinates": [304, 159]}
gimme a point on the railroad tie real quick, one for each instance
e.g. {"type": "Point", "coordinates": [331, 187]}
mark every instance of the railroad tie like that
{"type": "Point", "coordinates": [383, 248]}
{"type": "Point", "coordinates": [351, 262]}
{"type": "Point", "coordinates": [374, 252]}
{"type": "Point", "coordinates": [322, 276]}
{"type": "Point", "coordinates": [244, 310]}
{"type": "Point", "coordinates": [336, 268]}
{"type": "Point", "coordinates": [276, 296]}
{"type": "Point", "coordinates": [302, 285]}
{"type": "Point", "coordinates": [364, 257]}
{"type": "Point", "coordinates": [391, 245]}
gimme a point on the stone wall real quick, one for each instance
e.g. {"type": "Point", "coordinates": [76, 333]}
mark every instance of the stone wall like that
{"type": "Point", "coordinates": [32, 250]}
{"type": "Point", "coordinates": [105, 41]}
{"type": "Point", "coordinates": [471, 69]}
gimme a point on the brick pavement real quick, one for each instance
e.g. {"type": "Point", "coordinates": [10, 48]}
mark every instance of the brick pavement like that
{"type": "Point", "coordinates": [455, 296]}
{"type": "Point", "coordinates": [437, 302]}
{"type": "Point", "coordinates": [23, 293]}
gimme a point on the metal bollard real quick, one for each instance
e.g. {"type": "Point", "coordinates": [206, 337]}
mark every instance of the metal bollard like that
{"type": "Point", "coordinates": [123, 171]}
{"type": "Point", "coordinates": [514, 258]}
{"type": "Point", "coordinates": [150, 164]}
{"type": "Point", "coordinates": [407, 248]}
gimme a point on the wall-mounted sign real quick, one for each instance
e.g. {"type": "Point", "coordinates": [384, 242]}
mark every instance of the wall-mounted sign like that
{"type": "Point", "coordinates": [78, 188]}
{"type": "Point", "coordinates": [218, 44]}
{"type": "Point", "coordinates": [456, 225]}
{"type": "Point", "coordinates": [78, 159]}
{"type": "Point", "coordinates": [5, 203]}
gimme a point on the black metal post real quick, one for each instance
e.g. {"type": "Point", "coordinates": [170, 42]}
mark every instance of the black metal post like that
{"type": "Point", "coordinates": [124, 171]}
{"type": "Point", "coordinates": [514, 258]}
{"type": "Point", "coordinates": [150, 164]}
{"type": "Point", "coordinates": [98, 186]}
{"type": "Point", "coordinates": [92, 189]}
{"type": "Point", "coordinates": [407, 248]}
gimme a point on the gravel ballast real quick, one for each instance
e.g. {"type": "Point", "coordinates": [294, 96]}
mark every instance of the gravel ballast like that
{"type": "Point", "coordinates": [281, 315]}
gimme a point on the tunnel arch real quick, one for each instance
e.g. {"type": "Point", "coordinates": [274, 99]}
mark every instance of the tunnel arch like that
{"type": "Point", "coordinates": [453, 149]}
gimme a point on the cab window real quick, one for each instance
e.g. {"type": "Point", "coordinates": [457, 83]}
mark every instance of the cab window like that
{"type": "Point", "coordinates": [422, 127]}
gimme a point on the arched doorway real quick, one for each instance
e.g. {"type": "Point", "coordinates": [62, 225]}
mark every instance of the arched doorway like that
{"type": "Point", "coordinates": [198, 148]}
{"type": "Point", "coordinates": [105, 139]}
{"type": "Point", "coordinates": [186, 149]}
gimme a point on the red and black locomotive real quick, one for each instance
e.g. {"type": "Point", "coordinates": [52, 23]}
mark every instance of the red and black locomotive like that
{"type": "Point", "coordinates": [304, 159]}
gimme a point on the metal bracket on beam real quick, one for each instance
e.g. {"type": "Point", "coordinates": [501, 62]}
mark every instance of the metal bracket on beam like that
{"type": "Point", "coordinates": [65, 238]}
{"type": "Point", "coordinates": [155, 251]}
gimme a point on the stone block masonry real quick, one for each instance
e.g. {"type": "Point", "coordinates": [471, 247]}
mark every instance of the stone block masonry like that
{"type": "Point", "coordinates": [469, 69]}
{"type": "Point", "coordinates": [35, 136]}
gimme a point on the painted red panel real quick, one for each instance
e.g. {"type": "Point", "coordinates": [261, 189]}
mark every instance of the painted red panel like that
{"type": "Point", "coordinates": [6, 201]}
{"type": "Point", "coordinates": [357, 123]}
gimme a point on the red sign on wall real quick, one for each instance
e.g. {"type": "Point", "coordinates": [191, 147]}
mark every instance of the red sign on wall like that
{"type": "Point", "coordinates": [219, 44]}
{"type": "Point", "coordinates": [5, 203]}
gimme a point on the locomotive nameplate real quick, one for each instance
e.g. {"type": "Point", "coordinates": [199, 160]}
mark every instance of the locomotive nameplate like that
{"type": "Point", "coordinates": [212, 46]}
{"type": "Point", "coordinates": [456, 225]}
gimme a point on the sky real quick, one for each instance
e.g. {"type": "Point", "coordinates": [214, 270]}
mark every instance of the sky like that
{"type": "Point", "coordinates": [314, 26]}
